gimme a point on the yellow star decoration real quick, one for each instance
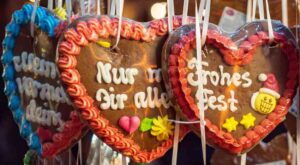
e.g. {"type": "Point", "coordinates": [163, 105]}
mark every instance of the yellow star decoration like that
{"type": "Point", "coordinates": [230, 124]}
{"type": "Point", "coordinates": [248, 120]}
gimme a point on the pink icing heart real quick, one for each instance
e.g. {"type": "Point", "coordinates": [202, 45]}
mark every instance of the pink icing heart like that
{"type": "Point", "coordinates": [129, 124]}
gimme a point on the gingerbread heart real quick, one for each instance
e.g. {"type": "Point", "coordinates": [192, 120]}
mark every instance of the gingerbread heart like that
{"type": "Point", "coordinates": [40, 106]}
{"type": "Point", "coordinates": [106, 85]}
{"type": "Point", "coordinates": [248, 83]}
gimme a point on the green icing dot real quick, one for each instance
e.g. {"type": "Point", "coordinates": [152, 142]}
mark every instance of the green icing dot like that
{"type": "Point", "coordinates": [146, 124]}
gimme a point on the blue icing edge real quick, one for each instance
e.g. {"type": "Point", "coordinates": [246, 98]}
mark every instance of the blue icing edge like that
{"type": "Point", "coordinates": [46, 22]}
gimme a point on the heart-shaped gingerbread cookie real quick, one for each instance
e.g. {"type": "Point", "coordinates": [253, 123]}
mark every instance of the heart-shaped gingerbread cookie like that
{"type": "Point", "coordinates": [40, 106]}
{"type": "Point", "coordinates": [248, 83]}
{"type": "Point", "coordinates": [120, 92]}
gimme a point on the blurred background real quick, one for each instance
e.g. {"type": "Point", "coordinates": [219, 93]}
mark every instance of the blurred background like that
{"type": "Point", "coordinates": [13, 148]}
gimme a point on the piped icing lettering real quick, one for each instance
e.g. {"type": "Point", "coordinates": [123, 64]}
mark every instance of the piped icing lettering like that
{"type": "Point", "coordinates": [28, 62]}
{"type": "Point", "coordinates": [44, 117]}
{"type": "Point", "coordinates": [221, 78]}
{"type": "Point", "coordinates": [117, 76]}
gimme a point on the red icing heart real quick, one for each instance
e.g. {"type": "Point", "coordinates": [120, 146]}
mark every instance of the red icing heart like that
{"type": "Point", "coordinates": [85, 48]}
{"type": "Point", "coordinates": [233, 135]}
{"type": "Point", "coordinates": [129, 124]}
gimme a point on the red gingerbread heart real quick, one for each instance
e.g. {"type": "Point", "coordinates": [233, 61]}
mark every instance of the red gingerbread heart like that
{"type": "Point", "coordinates": [107, 85]}
{"type": "Point", "coordinates": [248, 83]}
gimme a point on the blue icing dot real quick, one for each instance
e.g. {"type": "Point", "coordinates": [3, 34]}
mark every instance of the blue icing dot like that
{"type": "Point", "coordinates": [25, 129]}
{"type": "Point", "coordinates": [27, 8]}
{"type": "Point", "coordinates": [19, 17]}
{"type": "Point", "coordinates": [8, 72]}
{"type": "Point", "coordinates": [13, 29]}
{"type": "Point", "coordinates": [35, 143]}
{"type": "Point", "coordinates": [10, 87]}
{"type": "Point", "coordinates": [7, 57]}
{"type": "Point", "coordinates": [14, 102]}
{"type": "Point", "coordinates": [8, 42]}
{"type": "Point", "coordinates": [18, 114]}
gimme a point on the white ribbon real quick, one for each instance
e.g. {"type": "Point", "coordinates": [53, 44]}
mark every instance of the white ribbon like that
{"type": "Point", "coordinates": [35, 6]}
{"type": "Point", "coordinates": [270, 28]}
{"type": "Point", "coordinates": [120, 4]}
{"type": "Point", "coordinates": [70, 157]}
{"type": "Point", "coordinates": [79, 153]}
{"type": "Point", "coordinates": [50, 4]}
{"type": "Point", "coordinates": [185, 12]}
{"type": "Point", "coordinates": [69, 10]}
{"type": "Point", "coordinates": [175, 141]}
{"type": "Point", "coordinates": [253, 10]}
{"type": "Point", "coordinates": [170, 15]}
{"type": "Point", "coordinates": [261, 9]}
{"type": "Point", "coordinates": [199, 43]}
{"type": "Point", "coordinates": [112, 7]}
{"type": "Point", "coordinates": [243, 159]}
{"type": "Point", "coordinates": [249, 7]}
{"type": "Point", "coordinates": [89, 6]}
{"type": "Point", "coordinates": [124, 160]}
{"type": "Point", "coordinates": [59, 3]}
{"type": "Point", "coordinates": [284, 9]}
{"type": "Point", "coordinates": [98, 7]}
{"type": "Point", "coordinates": [82, 7]}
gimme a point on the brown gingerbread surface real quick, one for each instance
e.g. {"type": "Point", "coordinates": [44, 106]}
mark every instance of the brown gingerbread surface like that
{"type": "Point", "coordinates": [130, 54]}
{"type": "Point", "coordinates": [266, 60]}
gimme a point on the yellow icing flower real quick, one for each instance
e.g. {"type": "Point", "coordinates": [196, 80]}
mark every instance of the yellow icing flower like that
{"type": "Point", "coordinates": [230, 124]}
{"type": "Point", "coordinates": [248, 120]}
{"type": "Point", "coordinates": [162, 128]}
{"type": "Point", "coordinates": [60, 13]}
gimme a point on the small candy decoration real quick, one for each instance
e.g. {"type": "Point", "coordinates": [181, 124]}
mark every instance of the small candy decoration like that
{"type": "Point", "coordinates": [249, 81]}
{"type": "Point", "coordinates": [40, 106]}
{"type": "Point", "coordinates": [119, 92]}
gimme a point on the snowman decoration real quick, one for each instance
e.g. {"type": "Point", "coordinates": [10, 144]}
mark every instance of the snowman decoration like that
{"type": "Point", "coordinates": [265, 100]}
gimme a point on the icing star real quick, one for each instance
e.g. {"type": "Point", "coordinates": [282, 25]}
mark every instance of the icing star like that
{"type": "Point", "coordinates": [230, 124]}
{"type": "Point", "coordinates": [248, 120]}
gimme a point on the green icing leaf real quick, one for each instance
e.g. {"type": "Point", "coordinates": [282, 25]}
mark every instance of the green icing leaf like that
{"type": "Point", "coordinates": [146, 124]}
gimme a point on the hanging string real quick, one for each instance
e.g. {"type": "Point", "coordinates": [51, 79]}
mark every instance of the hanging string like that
{"type": "Point", "coordinates": [170, 15]}
{"type": "Point", "coordinates": [175, 141]}
{"type": "Point", "coordinates": [298, 112]}
{"type": "Point", "coordinates": [261, 9]}
{"type": "Point", "coordinates": [284, 9]}
{"type": "Point", "coordinates": [120, 4]}
{"type": "Point", "coordinates": [82, 7]}
{"type": "Point", "coordinates": [253, 10]}
{"type": "Point", "coordinates": [79, 153]}
{"type": "Point", "coordinates": [69, 10]}
{"type": "Point", "coordinates": [113, 7]}
{"type": "Point", "coordinates": [33, 15]}
{"type": "Point", "coordinates": [50, 4]}
{"type": "Point", "coordinates": [205, 23]}
{"type": "Point", "coordinates": [124, 160]}
{"type": "Point", "coordinates": [199, 93]}
{"type": "Point", "coordinates": [243, 159]}
{"type": "Point", "coordinates": [249, 7]}
{"type": "Point", "coordinates": [59, 3]}
{"type": "Point", "coordinates": [270, 28]}
{"type": "Point", "coordinates": [70, 157]}
{"type": "Point", "coordinates": [185, 11]}
{"type": "Point", "coordinates": [98, 7]}
{"type": "Point", "coordinates": [89, 6]}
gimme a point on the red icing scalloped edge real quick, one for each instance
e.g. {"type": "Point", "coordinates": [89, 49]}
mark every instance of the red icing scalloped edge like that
{"type": "Point", "coordinates": [89, 31]}
{"type": "Point", "coordinates": [241, 56]}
